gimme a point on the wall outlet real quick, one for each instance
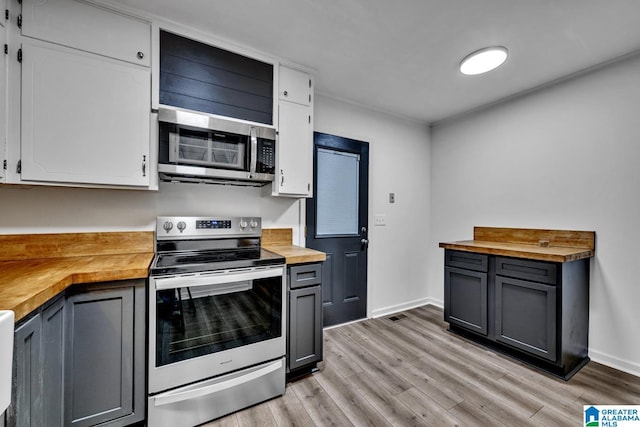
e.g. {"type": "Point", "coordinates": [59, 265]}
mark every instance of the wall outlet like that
{"type": "Point", "coordinates": [380, 220]}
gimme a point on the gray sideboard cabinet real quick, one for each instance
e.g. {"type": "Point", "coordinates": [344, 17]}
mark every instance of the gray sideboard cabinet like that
{"type": "Point", "coordinates": [536, 311]}
{"type": "Point", "coordinates": [80, 360]}
{"type": "Point", "coordinates": [304, 333]}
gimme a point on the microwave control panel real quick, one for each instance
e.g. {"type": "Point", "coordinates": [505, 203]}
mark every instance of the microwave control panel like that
{"type": "Point", "coordinates": [266, 156]}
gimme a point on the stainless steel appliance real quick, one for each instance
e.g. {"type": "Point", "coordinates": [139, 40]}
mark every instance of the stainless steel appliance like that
{"type": "Point", "coordinates": [198, 147]}
{"type": "Point", "coordinates": [216, 320]}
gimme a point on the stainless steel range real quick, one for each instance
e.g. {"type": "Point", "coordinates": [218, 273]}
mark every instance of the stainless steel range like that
{"type": "Point", "coordinates": [216, 320]}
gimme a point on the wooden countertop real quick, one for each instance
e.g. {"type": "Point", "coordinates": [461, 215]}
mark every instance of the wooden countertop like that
{"type": "Point", "coordinates": [550, 245]}
{"type": "Point", "coordinates": [35, 268]}
{"type": "Point", "coordinates": [279, 241]}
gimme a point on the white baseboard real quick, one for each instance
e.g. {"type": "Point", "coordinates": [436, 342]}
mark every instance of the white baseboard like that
{"type": "Point", "coordinates": [385, 311]}
{"type": "Point", "coordinates": [614, 362]}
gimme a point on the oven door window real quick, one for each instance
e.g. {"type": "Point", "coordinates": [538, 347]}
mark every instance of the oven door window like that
{"type": "Point", "coordinates": [205, 319]}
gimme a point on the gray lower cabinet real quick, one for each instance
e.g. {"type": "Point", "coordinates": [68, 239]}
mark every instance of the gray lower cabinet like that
{"type": "Point", "coordinates": [104, 360]}
{"type": "Point", "coordinates": [304, 334]}
{"type": "Point", "coordinates": [535, 310]}
{"type": "Point", "coordinates": [38, 372]}
{"type": "Point", "coordinates": [79, 361]}
{"type": "Point", "coordinates": [466, 299]}
{"type": "Point", "coordinates": [526, 316]}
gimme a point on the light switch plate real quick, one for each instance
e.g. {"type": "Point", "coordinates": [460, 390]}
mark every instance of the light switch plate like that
{"type": "Point", "coordinates": [380, 220]}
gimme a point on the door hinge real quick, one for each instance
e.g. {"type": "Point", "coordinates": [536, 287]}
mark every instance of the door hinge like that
{"type": "Point", "coordinates": [6, 48]}
{"type": "Point", "coordinates": [309, 119]}
{"type": "Point", "coordinates": [4, 165]}
{"type": "Point", "coordinates": [19, 55]}
{"type": "Point", "coordinates": [19, 167]}
{"type": "Point", "coordinates": [144, 165]}
{"type": "Point", "coordinates": [6, 14]}
{"type": "Point", "coordinates": [309, 82]}
{"type": "Point", "coordinates": [20, 21]}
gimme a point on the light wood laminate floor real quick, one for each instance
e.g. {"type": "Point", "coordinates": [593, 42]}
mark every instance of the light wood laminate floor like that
{"type": "Point", "coordinates": [380, 372]}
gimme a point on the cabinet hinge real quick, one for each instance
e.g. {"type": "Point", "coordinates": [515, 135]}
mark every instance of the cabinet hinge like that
{"type": "Point", "coordinates": [309, 82]}
{"type": "Point", "coordinates": [309, 119]}
{"type": "Point", "coordinates": [6, 48]}
{"type": "Point", "coordinates": [20, 21]}
{"type": "Point", "coordinates": [19, 167]}
{"type": "Point", "coordinates": [4, 165]}
{"type": "Point", "coordinates": [6, 14]}
{"type": "Point", "coordinates": [19, 55]}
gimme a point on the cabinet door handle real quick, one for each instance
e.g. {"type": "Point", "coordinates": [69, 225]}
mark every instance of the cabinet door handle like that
{"type": "Point", "coordinates": [281, 177]}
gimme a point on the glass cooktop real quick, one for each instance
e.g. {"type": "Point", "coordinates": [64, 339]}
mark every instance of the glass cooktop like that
{"type": "Point", "coordinates": [202, 261]}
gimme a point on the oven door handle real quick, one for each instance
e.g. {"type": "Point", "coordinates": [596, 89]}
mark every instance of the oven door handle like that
{"type": "Point", "coordinates": [194, 393]}
{"type": "Point", "coordinates": [206, 280]}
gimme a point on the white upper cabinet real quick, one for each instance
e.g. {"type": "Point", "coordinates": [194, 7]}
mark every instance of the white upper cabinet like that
{"type": "Point", "coordinates": [88, 27]}
{"type": "Point", "coordinates": [85, 118]}
{"type": "Point", "coordinates": [295, 86]}
{"type": "Point", "coordinates": [294, 150]}
{"type": "Point", "coordinates": [294, 174]}
{"type": "Point", "coordinates": [84, 98]}
{"type": "Point", "coordinates": [3, 96]}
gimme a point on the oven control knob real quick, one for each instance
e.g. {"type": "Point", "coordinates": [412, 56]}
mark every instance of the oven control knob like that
{"type": "Point", "coordinates": [253, 223]}
{"type": "Point", "coordinates": [168, 225]}
{"type": "Point", "coordinates": [243, 224]}
{"type": "Point", "coordinates": [182, 226]}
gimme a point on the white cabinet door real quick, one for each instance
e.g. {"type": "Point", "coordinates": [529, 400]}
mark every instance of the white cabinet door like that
{"type": "Point", "coordinates": [3, 98]}
{"type": "Point", "coordinates": [294, 173]}
{"type": "Point", "coordinates": [88, 27]}
{"type": "Point", "coordinates": [295, 86]}
{"type": "Point", "coordinates": [85, 118]}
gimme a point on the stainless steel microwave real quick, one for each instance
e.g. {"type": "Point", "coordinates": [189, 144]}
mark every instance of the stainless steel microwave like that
{"type": "Point", "coordinates": [197, 147]}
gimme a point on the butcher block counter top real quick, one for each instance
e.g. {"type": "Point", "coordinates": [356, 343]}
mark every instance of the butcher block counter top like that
{"type": "Point", "coordinates": [34, 268]}
{"type": "Point", "coordinates": [537, 244]}
{"type": "Point", "coordinates": [280, 241]}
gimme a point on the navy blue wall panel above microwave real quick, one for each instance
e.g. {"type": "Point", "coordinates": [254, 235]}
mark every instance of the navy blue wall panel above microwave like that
{"type": "Point", "coordinates": [205, 78]}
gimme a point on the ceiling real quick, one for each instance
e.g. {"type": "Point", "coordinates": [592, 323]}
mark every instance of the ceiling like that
{"type": "Point", "coordinates": [402, 56]}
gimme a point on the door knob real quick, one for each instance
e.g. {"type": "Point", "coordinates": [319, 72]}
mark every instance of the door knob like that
{"type": "Point", "coordinates": [364, 243]}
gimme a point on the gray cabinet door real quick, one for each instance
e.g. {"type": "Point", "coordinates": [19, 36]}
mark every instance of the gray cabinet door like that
{"type": "Point", "coordinates": [465, 299]}
{"type": "Point", "coordinates": [104, 362]}
{"type": "Point", "coordinates": [53, 333]}
{"type": "Point", "coordinates": [526, 316]}
{"type": "Point", "coordinates": [26, 407]}
{"type": "Point", "coordinates": [305, 327]}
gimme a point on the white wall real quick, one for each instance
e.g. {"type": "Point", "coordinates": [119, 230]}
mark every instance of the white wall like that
{"type": "Point", "coordinates": [399, 152]}
{"type": "Point", "coordinates": [565, 157]}
{"type": "Point", "coordinates": [73, 210]}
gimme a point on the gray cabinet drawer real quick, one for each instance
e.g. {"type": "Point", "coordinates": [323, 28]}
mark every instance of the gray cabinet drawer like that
{"type": "Point", "coordinates": [305, 275]}
{"type": "Point", "coordinates": [467, 260]}
{"type": "Point", "coordinates": [536, 271]}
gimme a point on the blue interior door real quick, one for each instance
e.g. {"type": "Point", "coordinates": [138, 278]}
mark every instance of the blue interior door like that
{"type": "Point", "coordinates": [337, 224]}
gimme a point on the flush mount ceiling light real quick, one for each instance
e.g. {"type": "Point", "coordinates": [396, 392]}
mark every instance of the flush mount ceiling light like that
{"type": "Point", "coordinates": [483, 60]}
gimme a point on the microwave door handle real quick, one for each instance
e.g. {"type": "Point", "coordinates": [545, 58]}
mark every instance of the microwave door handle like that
{"type": "Point", "coordinates": [206, 280]}
{"type": "Point", "coordinates": [254, 150]}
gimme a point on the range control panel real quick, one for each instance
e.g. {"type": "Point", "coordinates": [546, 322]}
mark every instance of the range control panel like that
{"type": "Point", "coordinates": [182, 227]}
